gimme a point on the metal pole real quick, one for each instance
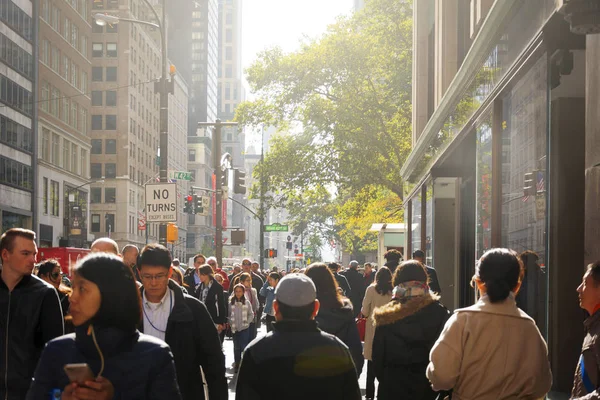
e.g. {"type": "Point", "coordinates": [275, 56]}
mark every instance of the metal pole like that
{"type": "Point", "coordinates": [262, 206]}
{"type": "Point", "coordinates": [164, 117]}
{"type": "Point", "coordinates": [218, 194]}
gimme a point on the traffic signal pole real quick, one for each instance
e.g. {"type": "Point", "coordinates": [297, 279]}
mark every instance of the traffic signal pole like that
{"type": "Point", "coordinates": [216, 154]}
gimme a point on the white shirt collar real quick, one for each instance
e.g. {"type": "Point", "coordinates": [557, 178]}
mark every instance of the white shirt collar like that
{"type": "Point", "coordinates": [154, 306]}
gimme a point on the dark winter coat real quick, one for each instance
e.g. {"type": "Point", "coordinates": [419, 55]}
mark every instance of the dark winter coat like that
{"type": "Point", "coordinates": [434, 284]}
{"type": "Point", "coordinates": [138, 366]}
{"type": "Point", "coordinates": [340, 322]}
{"type": "Point", "coordinates": [404, 336]}
{"type": "Point", "coordinates": [591, 359]}
{"type": "Point", "coordinates": [215, 303]}
{"type": "Point", "coordinates": [195, 343]}
{"type": "Point", "coordinates": [257, 283]}
{"type": "Point", "coordinates": [190, 282]}
{"type": "Point", "coordinates": [357, 284]}
{"type": "Point", "coordinates": [30, 316]}
{"type": "Point", "coordinates": [297, 361]}
{"type": "Point", "coordinates": [343, 283]}
{"type": "Point", "coordinates": [392, 265]}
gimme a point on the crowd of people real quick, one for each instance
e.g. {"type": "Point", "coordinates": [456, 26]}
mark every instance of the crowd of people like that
{"type": "Point", "coordinates": [132, 324]}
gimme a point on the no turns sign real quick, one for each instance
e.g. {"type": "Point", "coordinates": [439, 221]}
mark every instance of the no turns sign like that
{"type": "Point", "coordinates": [161, 202]}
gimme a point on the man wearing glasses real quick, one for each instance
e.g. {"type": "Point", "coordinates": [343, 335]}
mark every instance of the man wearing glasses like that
{"type": "Point", "coordinates": [184, 323]}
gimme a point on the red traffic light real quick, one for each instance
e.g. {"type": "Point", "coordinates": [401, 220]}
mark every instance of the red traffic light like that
{"type": "Point", "coordinates": [189, 198]}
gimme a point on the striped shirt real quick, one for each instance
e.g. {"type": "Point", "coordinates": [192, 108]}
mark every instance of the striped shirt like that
{"type": "Point", "coordinates": [156, 315]}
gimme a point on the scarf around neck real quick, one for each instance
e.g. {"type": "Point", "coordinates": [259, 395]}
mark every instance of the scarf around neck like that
{"type": "Point", "coordinates": [406, 290]}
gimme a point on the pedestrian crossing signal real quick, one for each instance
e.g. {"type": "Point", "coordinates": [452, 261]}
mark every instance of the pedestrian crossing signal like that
{"type": "Point", "coordinates": [270, 253]}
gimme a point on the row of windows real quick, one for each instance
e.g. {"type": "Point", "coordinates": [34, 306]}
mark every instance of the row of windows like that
{"type": "Point", "coordinates": [110, 146]}
{"type": "Point", "coordinates": [104, 98]}
{"type": "Point", "coordinates": [50, 203]}
{"type": "Point", "coordinates": [110, 122]}
{"type": "Point", "coordinates": [110, 170]}
{"type": "Point", "coordinates": [98, 74]}
{"type": "Point", "coordinates": [109, 28]}
{"type": "Point", "coordinates": [100, 4]}
{"type": "Point", "coordinates": [15, 135]}
{"type": "Point", "coordinates": [145, 47]}
{"type": "Point", "coordinates": [63, 65]}
{"type": "Point", "coordinates": [110, 195]}
{"type": "Point", "coordinates": [98, 50]}
{"type": "Point", "coordinates": [16, 96]}
{"type": "Point", "coordinates": [16, 18]}
{"type": "Point", "coordinates": [65, 27]}
{"type": "Point", "coordinates": [15, 173]}
{"type": "Point", "coordinates": [144, 135]}
{"type": "Point", "coordinates": [16, 57]}
{"type": "Point", "coordinates": [109, 222]}
{"type": "Point", "coordinates": [72, 157]}
{"type": "Point", "coordinates": [63, 108]}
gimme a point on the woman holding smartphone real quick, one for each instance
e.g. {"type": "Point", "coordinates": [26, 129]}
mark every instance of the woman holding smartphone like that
{"type": "Point", "coordinates": [118, 361]}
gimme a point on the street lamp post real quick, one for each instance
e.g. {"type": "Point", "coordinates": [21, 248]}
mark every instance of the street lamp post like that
{"type": "Point", "coordinates": [163, 87]}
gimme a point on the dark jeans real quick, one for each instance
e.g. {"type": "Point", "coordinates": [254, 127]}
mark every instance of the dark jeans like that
{"type": "Point", "coordinates": [253, 331]}
{"type": "Point", "coordinates": [270, 320]}
{"type": "Point", "coordinates": [370, 389]}
{"type": "Point", "coordinates": [240, 341]}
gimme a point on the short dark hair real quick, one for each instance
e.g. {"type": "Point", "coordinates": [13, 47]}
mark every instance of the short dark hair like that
{"type": "Point", "coordinates": [419, 253]}
{"type": "Point", "coordinates": [411, 270]}
{"type": "Point", "coordinates": [392, 255]}
{"type": "Point", "coordinates": [121, 304]}
{"type": "Point", "coordinates": [302, 313]}
{"type": "Point", "coordinates": [7, 240]}
{"type": "Point", "coordinates": [198, 256]}
{"type": "Point", "coordinates": [326, 286]}
{"type": "Point", "coordinates": [500, 271]}
{"type": "Point", "coordinates": [47, 266]}
{"type": "Point", "coordinates": [594, 269]}
{"type": "Point", "coordinates": [383, 281]}
{"type": "Point", "coordinates": [275, 275]}
{"type": "Point", "coordinates": [155, 255]}
{"type": "Point", "coordinates": [333, 266]}
{"type": "Point", "coordinates": [206, 270]}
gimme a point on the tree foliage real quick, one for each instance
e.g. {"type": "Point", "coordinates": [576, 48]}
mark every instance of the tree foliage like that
{"type": "Point", "coordinates": [342, 107]}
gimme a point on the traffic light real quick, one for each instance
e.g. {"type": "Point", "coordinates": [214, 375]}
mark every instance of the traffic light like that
{"type": "Point", "coordinates": [223, 178]}
{"type": "Point", "coordinates": [529, 188]}
{"type": "Point", "coordinates": [270, 253]}
{"type": "Point", "coordinates": [239, 180]}
{"type": "Point", "coordinates": [188, 208]}
{"type": "Point", "coordinates": [197, 204]}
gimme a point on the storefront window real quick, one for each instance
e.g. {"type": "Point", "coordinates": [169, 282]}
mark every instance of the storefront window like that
{"type": "Point", "coordinates": [416, 224]}
{"type": "Point", "coordinates": [524, 151]}
{"type": "Point", "coordinates": [484, 185]}
{"type": "Point", "coordinates": [428, 248]}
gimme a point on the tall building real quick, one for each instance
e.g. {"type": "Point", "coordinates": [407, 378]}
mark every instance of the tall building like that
{"type": "Point", "coordinates": [126, 62]}
{"type": "Point", "coordinates": [17, 114]}
{"type": "Point", "coordinates": [63, 121]}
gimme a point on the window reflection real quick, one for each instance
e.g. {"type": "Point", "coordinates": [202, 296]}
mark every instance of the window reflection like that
{"type": "Point", "coordinates": [484, 185]}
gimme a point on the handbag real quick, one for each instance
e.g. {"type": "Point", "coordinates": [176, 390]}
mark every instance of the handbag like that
{"type": "Point", "coordinates": [361, 324]}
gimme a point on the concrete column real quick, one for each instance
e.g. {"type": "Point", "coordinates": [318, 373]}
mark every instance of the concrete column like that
{"type": "Point", "coordinates": [446, 46]}
{"type": "Point", "coordinates": [592, 150]}
{"type": "Point", "coordinates": [421, 25]}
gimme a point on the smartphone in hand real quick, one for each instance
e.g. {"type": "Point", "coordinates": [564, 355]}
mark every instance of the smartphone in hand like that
{"type": "Point", "coordinates": [79, 373]}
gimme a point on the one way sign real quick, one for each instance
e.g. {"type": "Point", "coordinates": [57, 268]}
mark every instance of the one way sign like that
{"type": "Point", "coordinates": [161, 202]}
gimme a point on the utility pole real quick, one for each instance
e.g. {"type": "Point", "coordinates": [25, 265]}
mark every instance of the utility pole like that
{"type": "Point", "coordinates": [216, 154]}
{"type": "Point", "coordinates": [262, 204]}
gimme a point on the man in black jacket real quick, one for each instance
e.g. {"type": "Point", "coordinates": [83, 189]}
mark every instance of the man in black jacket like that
{"type": "Point", "coordinates": [341, 279]}
{"type": "Point", "coordinates": [297, 360]}
{"type": "Point", "coordinates": [192, 277]}
{"type": "Point", "coordinates": [357, 283]}
{"type": "Point", "coordinates": [257, 281]}
{"type": "Point", "coordinates": [31, 312]}
{"type": "Point", "coordinates": [185, 324]}
{"type": "Point", "coordinates": [434, 284]}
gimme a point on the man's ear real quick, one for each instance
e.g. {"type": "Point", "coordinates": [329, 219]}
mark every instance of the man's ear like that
{"type": "Point", "coordinates": [316, 309]}
{"type": "Point", "coordinates": [170, 272]}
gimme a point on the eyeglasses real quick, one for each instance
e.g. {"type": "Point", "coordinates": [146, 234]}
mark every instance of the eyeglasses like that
{"type": "Point", "coordinates": [150, 278]}
{"type": "Point", "coordinates": [246, 264]}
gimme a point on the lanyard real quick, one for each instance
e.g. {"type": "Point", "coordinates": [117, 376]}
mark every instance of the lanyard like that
{"type": "Point", "coordinates": [170, 310]}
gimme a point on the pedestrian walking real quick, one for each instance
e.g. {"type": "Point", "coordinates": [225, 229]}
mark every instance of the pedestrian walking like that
{"type": "Point", "coordinates": [357, 285]}
{"type": "Point", "coordinates": [184, 323]}
{"type": "Point", "coordinates": [369, 275]}
{"type": "Point", "coordinates": [393, 258]}
{"type": "Point", "coordinates": [30, 310]}
{"type": "Point", "coordinates": [51, 272]}
{"type": "Point", "coordinates": [340, 279]}
{"type": "Point", "coordinates": [268, 292]}
{"type": "Point", "coordinates": [241, 316]}
{"type": "Point", "coordinates": [192, 277]}
{"type": "Point", "coordinates": [130, 255]}
{"type": "Point", "coordinates": [405, 330]}
{"type": "Point", "coordinates": [377, 295]}
{"type": "Point", "coordinates": [297, 361]}
{"type": "Point", "coordinates": [586, 383]}
{"type": "Point", "coordinates": [105, 245]}
{"type": "Point", "coordinates": [492, 350]}
{"type": "Point", "coordinates": [336, 315]}
{"type": "Point", "coordinates": [105, 307]}
{"type": "Point", "coordinates": [434, 284]}
{"type": "Point", "coordinates": [211, 294]}
{"type": "Point", "coordinates": [245, 279]}
{"type": "Point", "coordinates": [212, 261]}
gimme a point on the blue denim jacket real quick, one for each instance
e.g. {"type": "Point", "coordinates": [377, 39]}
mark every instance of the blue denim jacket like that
{"type": "Point", "coordinates": [268, 292]}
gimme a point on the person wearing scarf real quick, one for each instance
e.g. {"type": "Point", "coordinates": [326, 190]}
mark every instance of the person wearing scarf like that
{"type": "Point", "coordinates": [405, 330]}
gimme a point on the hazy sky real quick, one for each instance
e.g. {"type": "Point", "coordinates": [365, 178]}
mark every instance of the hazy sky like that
{"type": "Point", "coordinates": [266, 23]}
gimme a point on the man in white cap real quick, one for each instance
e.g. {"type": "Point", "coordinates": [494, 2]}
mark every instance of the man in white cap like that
{"type": "Point", "coordinates": [297, 360]}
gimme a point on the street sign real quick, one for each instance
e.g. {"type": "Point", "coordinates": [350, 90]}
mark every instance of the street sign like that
{"type": "Point", "coordinates": [276, 228]}
{"type": "Point", "coordinates": [180, 175]}
{"type": "Point", "coordinates": [205, 205]}
{"type": "Point", "coordinates": [161, 202]}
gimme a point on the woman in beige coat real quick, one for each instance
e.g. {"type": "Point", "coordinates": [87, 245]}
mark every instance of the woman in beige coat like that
{"type": "Point", "coordinates": [378, 294]}
{"type": "Point", "coordinates": [492, 350]}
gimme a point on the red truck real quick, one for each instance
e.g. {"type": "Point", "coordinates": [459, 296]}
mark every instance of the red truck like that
{"type": "Point", "coordinates": [66, 256]}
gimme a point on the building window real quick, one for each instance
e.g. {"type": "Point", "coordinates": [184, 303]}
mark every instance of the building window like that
{"type": "Point", "coordinates": [111, 146]}
{"type": "Point", "coordinates": [97, 75]}
{"type": "Point", "coordinates": [111, 98]}
{"type": "Point", "coordinates": [228, 53]}
{"type": "Point", "coordinates": [96, 170]}
{"type": "Point", "coordinates": [96, 122]}
{"type": "Point", "coordinates": [97, 49]}
{"type": "Point", "coordinates": [111, 74]}
{"type": "Point", "coordinates": [110, 170]}
{"type": "Point", "coordinates": [66, 158]}
{"type": "Point", "coordinates": [110, 222]}
{"type": "Point", "coordinates": [228, 35]}
{"type": "Point", "coordinates": [54, 199]}
{"type": "Point", "coordinates": [96, 98]}
{"type": "Point", "coordinates": [97, 28]}
{"type": "Point", "coordinates": [192, 155]}
{"type": "Point", "coordinates": [74, 161]}
{"type": "Point", "coordinates": [95, 223]}
{"type": "Point", "coordinates": [110, 122]}
{"type": "Point", "coordinates": [110, 195]}
{"type": "Point", "coordinates": [111, 50]}
{"type": "Point", "coordinates": [114, 28]}
{"type": "Point", "coordinates": [96, 195]}
{"type": "Point", "coordinates": [55, 149]}
{"type": "Point", "coordinates": [84, 163]}
{"type": "Point", "coordinates": [45, 196]}
{"type": "Point", "coordinates": [483, 211]}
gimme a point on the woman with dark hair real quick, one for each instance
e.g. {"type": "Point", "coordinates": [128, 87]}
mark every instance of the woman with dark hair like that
{"type": "Point", "coordinates": [336, 316]}
{"type": "Point", "coordinates": [245, 279]}
{"type": "Point", "coordinates": [378, 294]}
{"type": "Point", "coordinates": [405, 330]}
{"type": "Point", "coordinates": [492, 350]}
{"type": "Point", "coordinates": [51, 272]}
{"type": "Point", "coordinates": [241, 316]}
{"type": "Point", "coordinates": [105, 309]}
{"type": "Point", "coordinates": [211, 294]}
